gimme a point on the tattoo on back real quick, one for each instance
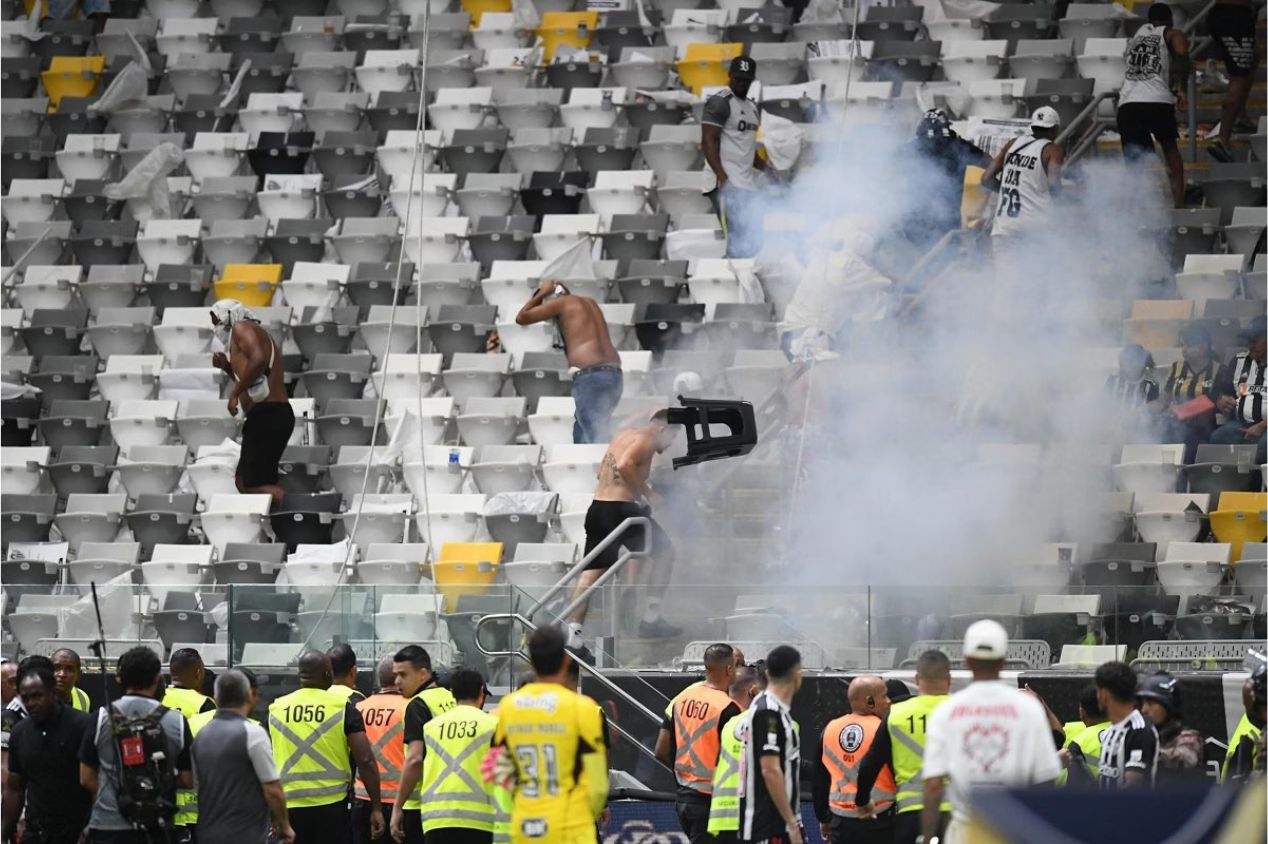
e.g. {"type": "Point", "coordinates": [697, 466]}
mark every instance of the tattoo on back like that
{"type": "Point", "coordinates": [609, 470]}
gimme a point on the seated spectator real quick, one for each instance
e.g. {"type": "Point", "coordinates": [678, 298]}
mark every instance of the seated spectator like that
{"type": "Point", "coordinates": [1190, 378]}
{"type": "Point", "coordinates": [1181, 749]}
{"type": "Point", "coordinates": [1239, 394]}
{"type": "Point", "coordinates": [1136, 396]}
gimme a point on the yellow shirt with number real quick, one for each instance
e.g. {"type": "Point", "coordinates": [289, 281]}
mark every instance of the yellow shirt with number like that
{"type": "Point", "coordinates": [555, 737]}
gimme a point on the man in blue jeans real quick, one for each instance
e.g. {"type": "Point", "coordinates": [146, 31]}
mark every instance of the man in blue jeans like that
{"type": "Point", "coordinates": [1241, 395]}
{"type": "Point", "coordinates": [583, 333]}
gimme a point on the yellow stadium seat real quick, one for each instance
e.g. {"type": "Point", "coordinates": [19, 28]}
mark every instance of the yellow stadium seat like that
{"type": "Point", "coordinates": [574, 29]}
{"type": "Point", "coordinates": [975, 200]}
{"type": "Point", "coordinates": [706, 65]}
{"type": "Point", "coordinates": [1240, 518]}
{"type": "Point", "coordinates": [465, 568]}
{"type": "Point", "coordinates": [71, 76]}
{"type": "Point", "coordinates": [476, 8]}
{"type": "Point", "coordinates": [251, 284]}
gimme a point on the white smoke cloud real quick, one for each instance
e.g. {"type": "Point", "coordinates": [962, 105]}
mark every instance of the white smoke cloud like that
{"type": "Point", "coordinates": [945, 444]}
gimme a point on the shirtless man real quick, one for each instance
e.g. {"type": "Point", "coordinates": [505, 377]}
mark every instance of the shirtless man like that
{"type": "Point", "coordinates": [623, 491]}
{"type": "Point", "coordinates": [596, 387]}
{"type": "Point", "coordinates": [254, 362]}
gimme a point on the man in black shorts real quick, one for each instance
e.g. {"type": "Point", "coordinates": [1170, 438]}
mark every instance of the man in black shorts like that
{"type": "Point", "coordinates": [253, 360]}
{"type": "Point", "coordinates": [1232, 25]}
{"type": "Point", "coordinates": [1148, 99]}
{"type": "Point", "coordinates": [623, 492]}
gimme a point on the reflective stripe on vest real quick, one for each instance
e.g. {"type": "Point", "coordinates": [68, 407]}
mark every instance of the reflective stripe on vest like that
{"type": "Point", "coordinates": [384, 717]}
{"type": "Point", "coordinates": [79, 699]}
{"type": "Point", "coordinates": [187, 798]}
{"type": "Point", "coordinates": [696, 714]}
{"type": "Point", "coordinates": [189, 703]}
{"type": "Point", "coordinates": [909, 752]}
{"type": "Point", "coordinates": [724, 808]}
{"type": "Point", "coordinates": [312, 758]}
{"type": "Point", "coordinates": [845, 743]}
{"type": "Point", "coordinates": [439, 701]}
{"type": "Point", "coordinates": [503, 805]}
{"type": "Point", "coordinates": [454, 793]}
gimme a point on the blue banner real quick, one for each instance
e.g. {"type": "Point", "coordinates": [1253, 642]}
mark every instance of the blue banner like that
{"type": "Point", "coordinates": [656, 822]}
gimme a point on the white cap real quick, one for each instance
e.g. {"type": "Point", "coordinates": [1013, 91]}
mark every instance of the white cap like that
{"type": "Point", "coordinates": [985, 639]}
{"type": "Point", "coordinates": [1045, 117]}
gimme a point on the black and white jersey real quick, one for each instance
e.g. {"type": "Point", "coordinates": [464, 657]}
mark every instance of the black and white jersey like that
{"type": "Point", "coordinates": [772, 732]}
{"type": "Point", "coordinates": [738, 118]}
{"type": "Point", "coordinates": [1129, 745]}
{"type": "Point", "coordinates": [1248, 387]}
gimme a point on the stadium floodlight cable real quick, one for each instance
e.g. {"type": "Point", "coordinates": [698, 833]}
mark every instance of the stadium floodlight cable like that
{"type": "Point", "coordinates": [381, 402]}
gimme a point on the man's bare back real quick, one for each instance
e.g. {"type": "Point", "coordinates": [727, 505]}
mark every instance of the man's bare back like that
{"type": "Point", "coordinates": [581, 324]}
{"type": "Point", "coordinates": [626, 465]}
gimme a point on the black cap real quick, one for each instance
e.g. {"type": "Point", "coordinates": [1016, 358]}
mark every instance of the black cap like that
{"type": "Point", "coordinates": [743, 67]}
{"type": "Point", "coordinates": [1195, 335]}
{"type": "Point", "coordinates": [897, 690]}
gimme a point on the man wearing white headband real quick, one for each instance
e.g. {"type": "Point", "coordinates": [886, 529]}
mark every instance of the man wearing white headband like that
{"type": "Point", "coordinates": [251, 358]}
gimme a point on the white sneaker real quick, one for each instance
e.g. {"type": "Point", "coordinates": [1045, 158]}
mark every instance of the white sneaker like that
{"type": "Point", "coordinates": [574, 634]}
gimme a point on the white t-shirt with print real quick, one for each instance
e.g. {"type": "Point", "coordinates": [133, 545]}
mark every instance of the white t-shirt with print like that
{"type": "Point", "coordinates": [991, 734]}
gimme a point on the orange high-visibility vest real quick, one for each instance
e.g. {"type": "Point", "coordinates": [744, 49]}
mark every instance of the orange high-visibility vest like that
{"type": "Point", "coordinates": [695, 716]}
{"type": "Point", "coordinates": [845, 743]}
{"type": "Point", "coordinates": [384, 717]}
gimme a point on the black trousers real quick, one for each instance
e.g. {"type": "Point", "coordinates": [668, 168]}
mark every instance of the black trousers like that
{"type": "Point", "coordinates": [117, 836]}
{"type": "Point", "coordinates": [413, 826]}
{"type": "Point", "coordinates": [329, 824]}
{"type": "Point", "coordinates": [361, 823]}
{"type": "Point", "coordinates": [907, 826]}
{"type": "Point", "coordinates": [694, 819]}
{"type": "Point", "coordinates": [860, 831]}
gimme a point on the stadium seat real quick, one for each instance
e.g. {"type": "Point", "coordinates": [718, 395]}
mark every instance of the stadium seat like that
{"type": "Point", "coordinates": [505, 468]}
{"type": "Point", "coordinates": [216, 154]}
{"type": "Point", "coordinates": [1170, 517]}
{"type": "Point", "coordinates": [490, 421]}
{"type": "Point", "coordinates": [54, 332]}
{"type": "Point", "coordinates": [213, 471]}
{"type": "Point", "coordinates": [63, 377]}
{"type": "Point", "coordinates": [27, 518]}
{"type": "Point", "coordinates": [1210, 276]}
{"type": "Point", "coordinates": [523, 108]}
{"type": "Point", "coordinates": [90, 517]}
{"type": "Point", "coordinates": [1227, 186]}
{"type": "Point", "coordinates": [82, 469]}
{"type": "Point", "coordinates": [353, 463]}
{"type": "Point", "coordinates": [394, 564]}
{"type": "Point", "coordinates": [142, 422]}
{"type": "Point", "coordinates": [234, 518]}
{"type": "Point", "coordinates": [1193, 568]}
{"type": "Point", "coordinates": [98, 562]}
{"type": "Point", "coordinates": [1240, 518]}
{"type": "Point", "coordinates": [151, 469]}
{"type": "Point", "coordinates": [973, 61]}
{"type": "Point", "coordinates": [71, 76]}
{"type": "Point", "coordinates": [251, 284]}
{"type": "Point", "coordinates": [572, 469]}
{"type": "Point", "coordinates": [402, 618]}
{"type": "Point", "coordinates": [447, 518]}
{"type": "Point", "coordinates": [706, 65]}
{"type": "Point", "coordinates": [1157, 323]}
{"type": "Point", "coordinates": [249, 563]}
{"type": "Point", "coordinates": [1218, 468]}
{"type": "Point", "coordinates": [386, 333]}
{"type": "Point", "coordinates": [378, 518]}
{"type": "Point", "coordinates": [997, 99]}
{"type": "Point", "coordinates": [465, 568]}
{"type": "Point", "coordinates": [1244, 229]}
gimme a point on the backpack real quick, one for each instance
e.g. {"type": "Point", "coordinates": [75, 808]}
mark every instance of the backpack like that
{"type": "Point", "coordinates": [147, 770]}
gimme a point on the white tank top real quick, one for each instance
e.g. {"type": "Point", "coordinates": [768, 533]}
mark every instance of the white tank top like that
{"type": "Point", "coordinates": [1148, 78]}
{"type": "Point", "coordinates": [1024, 198]}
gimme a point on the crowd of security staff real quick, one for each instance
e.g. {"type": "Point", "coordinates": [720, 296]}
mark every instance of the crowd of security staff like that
{"type": "Point", "coordinates": [418, 761]}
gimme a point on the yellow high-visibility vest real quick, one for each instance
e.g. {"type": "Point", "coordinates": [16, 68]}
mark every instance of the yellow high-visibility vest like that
{"type": "Point", "coordinates": [310, 747]}
{"type": "Point", "coordinates": [189, 703]}
{"type": "Point", "coordinates": [79, 699]}
{"type": "Point", "coordinates": [907, 721]}
{"type": "Point", "coordinates": [1244, 729]}
{"type": "Point", "coordinates": [439, 701]}
{"type": "Point", "coordinates": [187, 798]}
{"type": "Point", "coordinates": [724, 805]}
{"type": "Point", "coordinates": [453, 791]}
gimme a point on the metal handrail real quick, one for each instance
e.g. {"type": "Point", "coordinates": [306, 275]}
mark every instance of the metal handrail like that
{"type": "Point", "coordinates": [1191, 87]}
{"type": "Point", "coordinates": [1089, 110]}
{"type": "Point", "coordinates": [587, 667]}
{"type": "Point", "coordinates": [631, 521]}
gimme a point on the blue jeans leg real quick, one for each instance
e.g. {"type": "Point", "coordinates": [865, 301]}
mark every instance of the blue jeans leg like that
{"type": "Point", "coordinates": [596, 394]}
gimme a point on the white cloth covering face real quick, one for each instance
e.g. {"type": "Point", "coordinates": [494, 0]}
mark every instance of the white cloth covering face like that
{"type": "Point", "coordinates": [228, 313]}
